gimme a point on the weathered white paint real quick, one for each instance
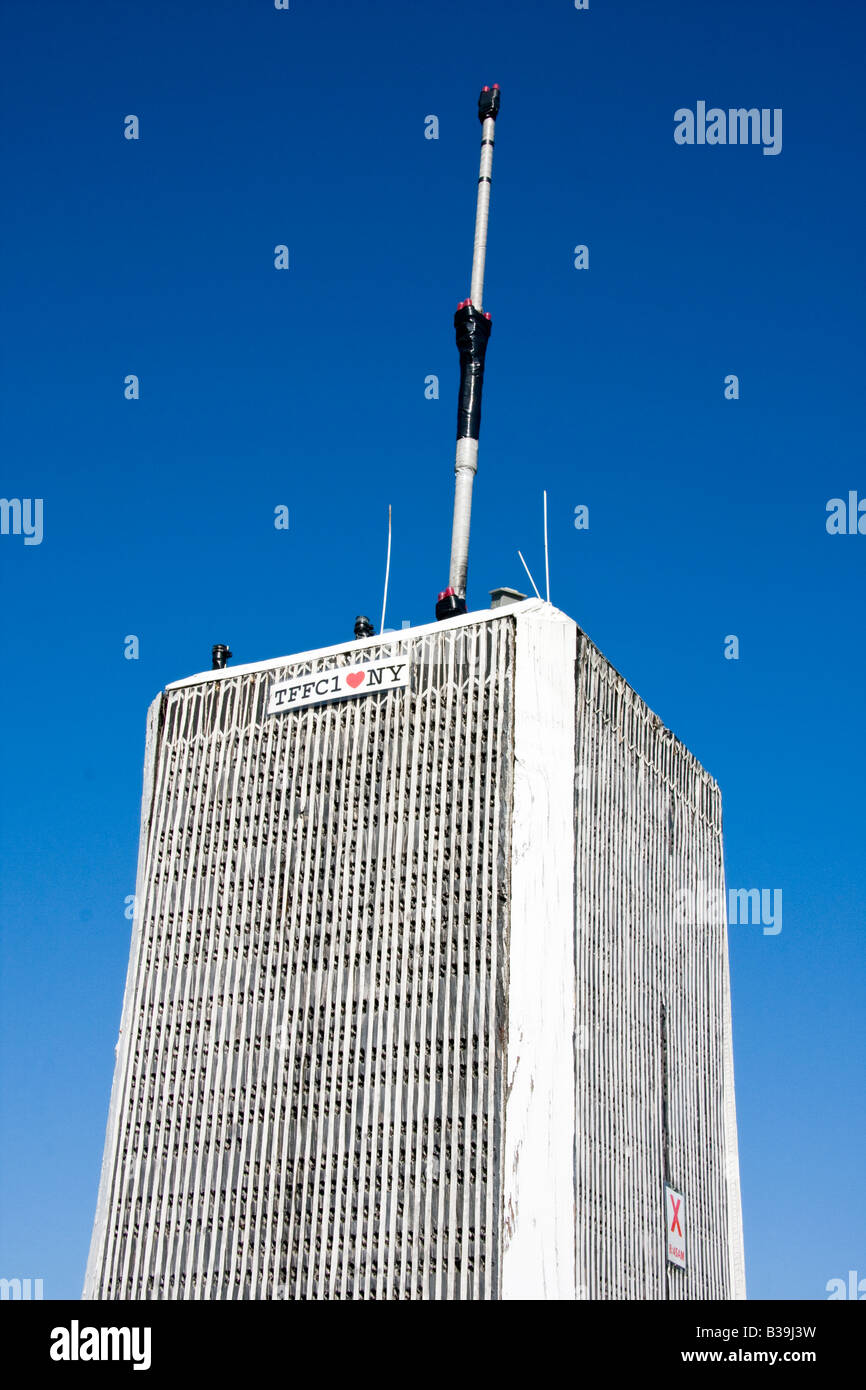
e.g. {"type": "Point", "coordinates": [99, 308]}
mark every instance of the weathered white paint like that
{"type": "Point", "coordinates": [538, 1222]}
{"type": "Point", "coordinates": [392, 1018]}
{"type": "Point", "coordinates": [311, 1083]}
{"type": "Point", "coordinates": [648, 826]}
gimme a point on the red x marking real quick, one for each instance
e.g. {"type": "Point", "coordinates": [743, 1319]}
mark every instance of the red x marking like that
{"type": "Point", "coordinates": [675, 1225]}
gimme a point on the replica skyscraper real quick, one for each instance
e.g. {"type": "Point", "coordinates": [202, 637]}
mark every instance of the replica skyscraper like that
{"type": "Point", "coordinates": [413, 1008]}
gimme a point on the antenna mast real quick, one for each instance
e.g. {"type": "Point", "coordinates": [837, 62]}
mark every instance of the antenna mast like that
{"type": "Point", "coordinates": [472, 327]}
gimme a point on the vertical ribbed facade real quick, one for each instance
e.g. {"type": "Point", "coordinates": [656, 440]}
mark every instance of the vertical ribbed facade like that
{"type": "Point", "coordinates": [397, 1024]}
{"type": "Point", "coordinates": [308, 1096]}
{"type": "Point", "coordinates": [654, 1091]}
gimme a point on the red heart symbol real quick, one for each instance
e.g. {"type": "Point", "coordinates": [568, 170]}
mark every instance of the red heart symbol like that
{"type": "Point", "coordinates": [355, 680]}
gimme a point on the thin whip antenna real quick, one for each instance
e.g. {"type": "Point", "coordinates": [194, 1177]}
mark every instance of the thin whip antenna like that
{"type": "Point", "coordinates": [531, 580]}
{"type": "Point", "coordinates": [546, 559]}
{"type": "Point", "coordinates": [387, 573]}
{"type": "Point", "coordinates": [472, 327]}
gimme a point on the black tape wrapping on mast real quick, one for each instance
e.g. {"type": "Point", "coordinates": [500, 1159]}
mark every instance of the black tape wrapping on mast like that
{"type": "Point", "coordinates": [472, 330]}
{"type": "Point", "coordinates": [488, 104]}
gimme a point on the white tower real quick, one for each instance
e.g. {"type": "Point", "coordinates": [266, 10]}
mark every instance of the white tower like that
{"type": "Point", "coordinates": [428, 991]}
{"type": "Point", "coordinates": [414, 1009]}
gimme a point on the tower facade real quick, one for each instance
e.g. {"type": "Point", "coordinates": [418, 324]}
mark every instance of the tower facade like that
{"type": "Point", "coordinates": [413, 1007]}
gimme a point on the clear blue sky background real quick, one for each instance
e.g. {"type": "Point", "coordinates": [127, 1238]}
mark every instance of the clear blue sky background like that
{"type": "Point", "coordinates": [306, 388]}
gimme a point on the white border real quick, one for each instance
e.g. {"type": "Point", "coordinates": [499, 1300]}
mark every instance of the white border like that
{"type": "Point", "coordinates": [538, 1211]}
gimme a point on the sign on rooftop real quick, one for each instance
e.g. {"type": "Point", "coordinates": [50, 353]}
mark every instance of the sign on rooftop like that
{"type": "Point", "coordinates": [340, 683]}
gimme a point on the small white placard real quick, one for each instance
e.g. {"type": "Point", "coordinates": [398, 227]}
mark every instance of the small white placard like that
{"type": "Point", "coordinates": [341, 683]}
{"type": "Point", "coordinates": [675, 1226]}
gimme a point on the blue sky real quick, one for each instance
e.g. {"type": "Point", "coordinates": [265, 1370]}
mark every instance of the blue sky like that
{"type": "Point", "coordinates": [305, 388]}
